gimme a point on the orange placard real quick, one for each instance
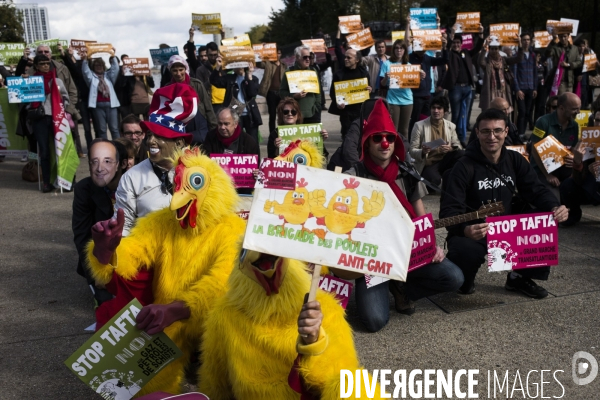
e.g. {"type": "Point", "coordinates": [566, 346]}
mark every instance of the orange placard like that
{"type": "Point", "coordinates": [504, 35]}
{"type": "Point", "coordinates": [589, 62]}
{"type": "Point", "coordinates": [559, 27]}
{"type": "Point", "coordinates": [265, 52]}
{"type": "Point", "coordinates": [316, 45]}
{"type": "Point", "coordinates": [541, 39]}
{"type": "Point", "coordinates": [99, 48]}
{"type": "Point", "coordinates": [590, 140]}
{"type": "Point", "coordinates": [552, 153]}
{"type": "Point", "coordinates": [404, 76]}
{"type": "Point", "coordinates": [360, 40]}
{"type": "Point", "coordinates": [136, 66]}
{"type": "Point", "coordinates": [467, 22]}
{"type": "Point", "coordinates": [426, 39]}
{"type": "Point", "coordinates": [237, 56]}
{"type": "Point", "coordinates": [521, 149]}
{"type": "Point", "coordinates": [350, 24]}
{"type": "Point", "coordinates": [79, 46]}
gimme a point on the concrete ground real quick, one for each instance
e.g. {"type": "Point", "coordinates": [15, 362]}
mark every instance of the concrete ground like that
{"type": "Point", "coordinates": [45, 306]}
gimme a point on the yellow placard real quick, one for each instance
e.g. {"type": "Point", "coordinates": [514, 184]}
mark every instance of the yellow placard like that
{"type": "Point", "coordinates": [305, 80]}
{"type": "Point", "coordinates": [426, 39]}
{"type": "Point", "coordinates": [207, 23]}
{"type": "Point", "coordinates": [350, 24]}
{"type": "Point", "coordinates": [589, 62]}
{"type": "Point", "coordinates": [97, 48]}
{"type": "Point", "coordinates": [552, 153]}
{"type": "Point", "coordinates": [467, 22]}
{"type": "Point", "coordinates": [403, 76]}
{"type": "Point", "coordinates": [559, 27]}
{"type": "Point", "coordinates": [397, 35]}
{"type": "Point", "coordinates": [541, 39]}
{"type": "Point", "coordinates": [582, 118]}
{"type": "Point", "coordinates": [240, 40]}
{"type": "Point", "coordinates": [504, 34]}
{"type": "Point", "coordinates": [351, 92]}
{"type": "Point", "coordinates": [237, 56]}
{"type": "Point", "coordinates": [360, 40]}
{"type": "Point", "coordinates": [316, 45]}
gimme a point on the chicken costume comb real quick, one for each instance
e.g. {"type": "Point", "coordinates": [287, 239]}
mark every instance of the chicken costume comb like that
{"type": "Point", "coordinates": [303, 149]}
{"type": "Point", "coordinates": [203, 192]}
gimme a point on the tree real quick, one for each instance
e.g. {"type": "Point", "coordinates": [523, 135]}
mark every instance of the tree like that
{"type": "Point", "coordinates": [11, 23]}
{"type": "Point", "coordinates": [256, 33]}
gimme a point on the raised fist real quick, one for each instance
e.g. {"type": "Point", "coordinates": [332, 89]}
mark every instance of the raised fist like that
{"type": "Point", "coordinates": [107, 236]}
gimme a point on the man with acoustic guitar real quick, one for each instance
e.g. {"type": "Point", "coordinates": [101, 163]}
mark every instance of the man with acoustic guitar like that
{"type": "Point", "coordinates": [490, 172]}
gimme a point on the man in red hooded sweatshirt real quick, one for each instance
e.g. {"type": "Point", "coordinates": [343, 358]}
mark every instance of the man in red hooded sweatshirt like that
{"type": "Point", "coordinates": [383, 152]}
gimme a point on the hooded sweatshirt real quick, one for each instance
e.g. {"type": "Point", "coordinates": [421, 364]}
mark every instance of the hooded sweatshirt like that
{"type": "Point", "coordinates": [475, 180]}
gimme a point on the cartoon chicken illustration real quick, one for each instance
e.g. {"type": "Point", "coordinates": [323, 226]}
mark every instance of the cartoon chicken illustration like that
{"type": "Point", "coordinates": [295, 208]}
{"type": "Point", "coordinates": [341, 214]}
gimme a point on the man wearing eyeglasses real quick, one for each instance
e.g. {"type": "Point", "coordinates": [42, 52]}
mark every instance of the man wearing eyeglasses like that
{"type": "Point", "coordinates": [93, 201]}
{"type": "Point", "coordinates": [132, 130]}
{"type": "Point", "coordinates": [310, 103]}
{"type": "Point", "coordinates": [490, 172]}
{"type": "Point", "coordinates": [383, 152]}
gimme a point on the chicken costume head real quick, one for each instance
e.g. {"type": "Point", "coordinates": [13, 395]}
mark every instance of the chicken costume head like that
{"type": "Point", "coordinates": [302, 152]}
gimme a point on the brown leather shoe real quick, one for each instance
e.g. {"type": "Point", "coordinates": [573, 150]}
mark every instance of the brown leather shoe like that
{"type": "Point", "coordinates": [404, 305]}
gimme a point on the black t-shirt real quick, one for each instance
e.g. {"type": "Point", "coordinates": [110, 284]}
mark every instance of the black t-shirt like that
{"type": "Point", "coordinates": [463, 76]}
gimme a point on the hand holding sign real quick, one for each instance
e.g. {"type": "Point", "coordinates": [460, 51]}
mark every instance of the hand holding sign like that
{"type": "Point", "coordinates": [309, 322]}
{"type": "Point", "coordinates": [154, 318]}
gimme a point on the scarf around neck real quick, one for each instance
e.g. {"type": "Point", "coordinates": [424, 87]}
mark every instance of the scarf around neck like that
{"type": "Point", "coordinates": [103, 87]}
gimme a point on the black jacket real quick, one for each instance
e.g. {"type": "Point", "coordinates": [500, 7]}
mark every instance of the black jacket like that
{"type": "Point", "coordinates": [221, 79]}
{"type": "Point", "coordinates": [454, 60]}
{"type": "Point", "coordinates": [472, 182]}
{"type": "Point", "coordinates": [426, 62]}
{"type": "Point", "coordinates": [90, 205]}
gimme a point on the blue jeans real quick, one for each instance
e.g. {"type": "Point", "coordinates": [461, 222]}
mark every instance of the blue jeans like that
{"type": "Point", "coordinates": [374, 305]}
{"type": "Point", "coordinates": [103, 115]}
{"type": "Point", "coordinates": [460, 99]}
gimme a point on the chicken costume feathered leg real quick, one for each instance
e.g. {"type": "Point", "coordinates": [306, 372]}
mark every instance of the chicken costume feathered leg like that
{"type": "Point", "coordinates": [191, 249]}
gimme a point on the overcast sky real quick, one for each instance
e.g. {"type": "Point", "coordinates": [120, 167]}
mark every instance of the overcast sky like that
{"type": "Point", "coordinates": [134, 26]}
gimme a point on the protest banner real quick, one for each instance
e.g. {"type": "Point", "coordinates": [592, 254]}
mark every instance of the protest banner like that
{"type": "Point", "coordinates": [237, 56]}
{"type": "Point", "coordinates": [551, 152]}
{"type": "Point", "coordinates": [467, 43]}
{"type": "Point", "coordinates": [136, 66]}
{"type": "Point", "coordinates": [504, 35]}
{"type": "Point", "coordinates": [423, 18]}
{"type": "Point", "coordinates": [99, 50]}
{"type": "Point", "coordinates": [403, 76]}
{"type": "Point", "coordinates": [291, 133]}
{"type": "Point", "coordinates": [25, 90]}
{"type": "Point", "coordinates": [306, 81]}
{"type": "Point", "coordinates": [339, 287]}
{"type": "Point", "coordinates": [316, 45]}
{"type": "Point", "coordinates": [574, 23]}
{"type": "Point", "coordinates": [350, 24]}
{"type": "Point", "coordinates": [467, 22]}
{"type": "Point", "coordinates": [332, 219]}
{"type": "Point", "coordinates": [265, 52]}
{"type": "Point", "coordinates": [427, 39]}
{"type": "Point", "coordinates": [276, 174]}
{"type": "Point", "coordinates": [207, 23]}
{"type": "Point", "coordinates": [583, 118]}
{"type": "Point", "coordinates": [79, 46]}
{"type": "Point", "coordinates": [397, 35]}
{"type": "Point", "coordinates": [240, 167]}
{"type": "Point", "coordinates": [541, 39]}
{"type": "Point", "coordinates": [240, 40]}
{"type": "Point", "coordinates": [51, 43]}
{"type": "Point", "coordinates": [11, 53]}
{"type": "Point", "coordinates": [161, 56]}
{"type": "Point", "coordinates": [590, 141]}
{"type": "Point", "coordinates": [589, 62]}
{"type": "Point", "coordinates": [360, 40]}
{"type": "Point", "coordinates": [558, 27]}
{"type": "Point", "coordinates": [522, 241]}
{"type": "Point", "coordinates": [521, 149]}
{"type": "Point", "coordinates": [119, 359]}
{"type": "Point", "coordinates": [10, 143]}
{"type": "Point", "coordinates": [351, 92]}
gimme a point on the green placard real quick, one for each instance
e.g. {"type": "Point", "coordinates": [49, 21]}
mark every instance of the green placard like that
{"type": "Point", "coordinates": [291, 133]}
{"type": "Point", "coordinates": [120, 359]}
{"type": "Point", "coordinates": [10, 143]}
{"type": "Point", "coordinates": [10, 53]}
{"type": "Point", "coordinates": [53, 44]}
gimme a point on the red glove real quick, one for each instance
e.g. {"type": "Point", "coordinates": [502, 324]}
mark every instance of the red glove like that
{"type": "Point", "coordinates": [107, 236]}
{"type": "Point", "coordinates": [154, 318]}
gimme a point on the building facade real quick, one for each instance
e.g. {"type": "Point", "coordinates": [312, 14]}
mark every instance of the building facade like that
{"type": "Point", "coordinates": [35, 22]}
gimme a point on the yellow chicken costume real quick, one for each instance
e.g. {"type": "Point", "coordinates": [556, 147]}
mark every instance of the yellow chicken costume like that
{"type": "Point", "coordinates": [303, 152]}
{"type": "Point", "coordinates": [251, 336]}
{"type": "Point", "coordinates": [191, 249]}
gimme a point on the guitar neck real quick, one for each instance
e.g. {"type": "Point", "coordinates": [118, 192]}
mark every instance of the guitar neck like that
{"type": "Point", "coordinates": [444, 222]}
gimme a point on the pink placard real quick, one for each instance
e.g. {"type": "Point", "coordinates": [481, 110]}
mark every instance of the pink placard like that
{"type": "Point", "coordinates": [340, 288]}
{"type": "Point", "coordinates": [277, 174]}
{"type": "Point", "coordinates": [239, 166]}
{"type": "Point", "coordinates": [467, 43]}
{"type": "Point", "coordinates": [522, 241]}
{"type": "Point", "coordinates": [423, 249]}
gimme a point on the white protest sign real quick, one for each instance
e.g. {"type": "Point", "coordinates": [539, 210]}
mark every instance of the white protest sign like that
{"type": "Point", "coordinates": [332, 219]}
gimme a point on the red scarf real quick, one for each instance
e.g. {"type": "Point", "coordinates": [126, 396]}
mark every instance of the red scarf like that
{"type": "Point", "coordinates": [48, 76]}
{"type": "Point", "coordinates": [187, 79]}
{"type": "Point", "coordinates": [389, 175]}
{"type": "Point", "coordinates": [228, 140]}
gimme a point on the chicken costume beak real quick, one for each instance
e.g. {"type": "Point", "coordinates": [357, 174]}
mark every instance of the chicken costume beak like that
{"type": "Point", "coordinates": [265, 269]}
{"type": "Point", "coordinates": [341, 207]}
{"type": "Point", "coordinates": [191, 186]}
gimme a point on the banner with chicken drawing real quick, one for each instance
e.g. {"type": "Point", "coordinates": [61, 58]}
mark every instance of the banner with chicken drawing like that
{"type": "Point", "coordinates": [333, 219]}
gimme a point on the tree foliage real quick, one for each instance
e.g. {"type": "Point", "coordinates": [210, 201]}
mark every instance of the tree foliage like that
{"type": "Point", "coordinates": [256, 33]}
{"type": "Point", "coordinates": [11, 23]}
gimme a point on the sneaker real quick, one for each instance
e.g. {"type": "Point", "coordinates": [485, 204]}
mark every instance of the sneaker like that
{"type": "Point", "coordinates": [468, 287]}
{"type": "Point", "coordinates": [403, 304]}
{"type": "Point", "coordinates": [525, 286]}
{"type": "Point", "coordinates": [47, 187]}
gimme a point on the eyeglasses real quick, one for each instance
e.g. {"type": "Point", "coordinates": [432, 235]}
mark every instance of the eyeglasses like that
{"type": "Point", "coordinates": [104, 163]}
{"type": "Point", "coordinates": [136, 133]}
{"type": "Point", "coordinates": [288, 112]}
{"type": "Point", "coordinates": [389, 138]}
{"type": "Point", "coordinates": [487, 132]}
{"type": "Point", "coordinates": [306, 57]}
{"type": "Point", "coordinates": [43, 51]}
